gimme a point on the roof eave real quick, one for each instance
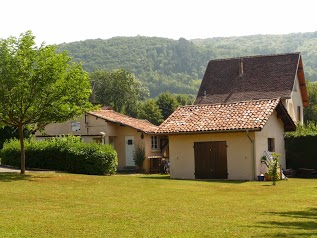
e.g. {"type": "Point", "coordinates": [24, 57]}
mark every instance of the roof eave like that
{"type": "Point", "coordinates": [207, 132]}
{"type": "Point", "coordinates": [120, 123]}
{"type": "Point", "coordinates": [302, 82]}
{"type": "Point", "coordinates": [282, 113]}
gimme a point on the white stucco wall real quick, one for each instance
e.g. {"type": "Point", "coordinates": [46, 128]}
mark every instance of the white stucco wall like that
{"type": "Point", "coordinates": [294, 102]}
{"type": "Point", "coordinates": [64, 128]}
{"type": "Point", "coordinates": [239, 162]}
{"type": "Point", "coordinates": [274, 128]}
{"type": "Point", "coordinates": [89, 125]}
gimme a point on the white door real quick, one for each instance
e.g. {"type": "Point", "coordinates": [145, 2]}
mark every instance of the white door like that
{"type": "Point", "coordinates": [129, 150]}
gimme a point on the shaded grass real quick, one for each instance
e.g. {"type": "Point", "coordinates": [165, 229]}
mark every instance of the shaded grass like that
{"type": "Point", "coordinates": [68, 205]}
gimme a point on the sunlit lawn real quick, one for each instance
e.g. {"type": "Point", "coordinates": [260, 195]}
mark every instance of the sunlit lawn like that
{"type": "Point", "coordinates": [68, 205]}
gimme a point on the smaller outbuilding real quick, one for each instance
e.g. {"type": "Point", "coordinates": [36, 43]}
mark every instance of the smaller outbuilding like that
{"type": "Point", "coordinates": [124, 133]}
{"type": "Point", "coordinates": [225, 141]}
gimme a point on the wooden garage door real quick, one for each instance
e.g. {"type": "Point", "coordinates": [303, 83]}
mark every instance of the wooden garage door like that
{"type": "Point", "coordinates": [211, 160]}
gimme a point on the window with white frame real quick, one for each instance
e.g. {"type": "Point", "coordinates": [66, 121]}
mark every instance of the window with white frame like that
{"type": "Point", "coordinates": [154, 143]}
{"type": "Point", "coordinates": [75, 126]}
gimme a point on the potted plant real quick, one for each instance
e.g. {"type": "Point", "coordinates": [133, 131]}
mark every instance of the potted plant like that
{"type": "Point", "coordinates": [274, 168]}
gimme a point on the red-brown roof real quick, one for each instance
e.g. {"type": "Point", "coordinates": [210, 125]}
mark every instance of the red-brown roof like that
{"type": "Point", "coordinates": [252, 78]}
{"type": "Point", "coordinates": [245, 115]}
{"type": "Point", "coordinates": [112, 116]}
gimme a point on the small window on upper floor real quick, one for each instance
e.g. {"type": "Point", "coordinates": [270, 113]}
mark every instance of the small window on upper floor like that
{"type": "Point", "coordinates": [154, 143]}
{"type": "Point", "coordinates": [75, 126]}
{"type": "Point", "coordinates": [271, 144]}
{"type": "Point", "coordinates": [299, 114]}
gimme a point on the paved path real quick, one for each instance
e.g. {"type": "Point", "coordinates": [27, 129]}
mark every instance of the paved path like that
{"type": "Point", "coordinates": [4, 169]}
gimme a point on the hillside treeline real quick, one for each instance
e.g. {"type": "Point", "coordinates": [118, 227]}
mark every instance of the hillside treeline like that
{"type": "Point", "coordinates": [178, 66]}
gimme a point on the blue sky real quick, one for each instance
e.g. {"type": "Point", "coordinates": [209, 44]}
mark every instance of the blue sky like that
{"type": "Point", "coordinates": [61, 21]}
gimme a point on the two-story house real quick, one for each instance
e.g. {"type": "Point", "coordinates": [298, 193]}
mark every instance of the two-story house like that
{"type": "Point", "coordinates": [243, 108]}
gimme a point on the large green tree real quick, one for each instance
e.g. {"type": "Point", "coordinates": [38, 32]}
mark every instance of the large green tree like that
{"type": "Point", "coordinates": [158, 109]}
{"type": "Point", "coordinates": [150, 111]}
{"type": "Point", "coordinates": [310, 113]}
{"type": "Point", "coordinates": [39, 86]}
{"type": "Point", "coordinates": [167, 102]}
{"type": "Point", "coordinates": [118, 89]}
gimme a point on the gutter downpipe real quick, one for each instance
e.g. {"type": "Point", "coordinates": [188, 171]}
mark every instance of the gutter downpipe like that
{"type": "Point", "coordinates": [252, 154]}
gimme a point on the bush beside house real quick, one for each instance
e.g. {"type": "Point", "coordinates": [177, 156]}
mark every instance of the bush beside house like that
{"type": "Point", "coordinates": [300, 147]}
{"type": "Point", "coordinates": [64, 154]}
{"type": "Point", "coordinates": [301, 152]}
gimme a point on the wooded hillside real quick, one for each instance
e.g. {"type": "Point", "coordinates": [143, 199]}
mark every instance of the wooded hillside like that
{"type": "Point", "coordinates": [178, 66]}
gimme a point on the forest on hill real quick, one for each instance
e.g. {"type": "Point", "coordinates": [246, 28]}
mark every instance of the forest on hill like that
{"type": "Point", "coordinates": [178, 66]}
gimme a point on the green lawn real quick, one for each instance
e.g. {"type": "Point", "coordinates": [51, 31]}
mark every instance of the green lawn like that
{"type": "Point", "coordinates": [68, 205]}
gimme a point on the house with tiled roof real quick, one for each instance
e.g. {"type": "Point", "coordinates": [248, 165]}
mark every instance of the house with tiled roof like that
{"type": "Point", "coordinates": [243, 108]}
{"type": "Point", "coordinates": [256, 77]}
{"type": "Point", "coordinates": [106, 126]}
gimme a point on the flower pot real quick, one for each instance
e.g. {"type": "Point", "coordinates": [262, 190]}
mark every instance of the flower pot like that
{"type": "Point", "coordinates": [267, 177]}
{"type": "Point", "coordinates": [261, 178]}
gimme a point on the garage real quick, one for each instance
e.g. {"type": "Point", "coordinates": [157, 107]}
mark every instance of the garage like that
{"type": "Point", "coordinates": [210, 160]}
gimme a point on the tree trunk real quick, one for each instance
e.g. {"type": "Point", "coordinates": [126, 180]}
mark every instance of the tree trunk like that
{"type": "Point", "coordinates": [21, 136]}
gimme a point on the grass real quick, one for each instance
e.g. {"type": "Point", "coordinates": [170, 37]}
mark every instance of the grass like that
{"type": "Point", "coordinates": [68, 205]}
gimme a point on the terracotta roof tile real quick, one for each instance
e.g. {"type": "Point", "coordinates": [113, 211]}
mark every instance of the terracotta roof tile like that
{"type": "Point", "coordinates": [262, 77]}
{"type": "Point", "coordinates": [112, 116]}
{"type": "Point", "coordinates": [243, 115]}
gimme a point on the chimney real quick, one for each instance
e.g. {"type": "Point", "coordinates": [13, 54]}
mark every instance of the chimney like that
{"type": "Point", "coordinates": [241, 67]}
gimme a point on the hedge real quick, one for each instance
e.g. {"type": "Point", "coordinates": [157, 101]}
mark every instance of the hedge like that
{"type": "Point", "coordinates": [301, 152]}
{"type": "Point", "coordinates": [63, 154]}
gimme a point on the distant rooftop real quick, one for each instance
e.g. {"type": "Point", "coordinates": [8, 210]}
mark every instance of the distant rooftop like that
{"type": "Point", "coordinates": [252, 78]}
{"type": "Point", "coordinates": [115, 117]}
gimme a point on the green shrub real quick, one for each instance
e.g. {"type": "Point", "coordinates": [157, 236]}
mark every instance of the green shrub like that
{"type": "Point", "coordinates": [308, 129]}
{"type": "Point", "coordinates": [64, 154]}
{"type": "Point", "coordinates": [301, 152]}
{"type": "Point", "coordinates": [139, 156]}
{"type": "Point", "coordinates": [274, 168]}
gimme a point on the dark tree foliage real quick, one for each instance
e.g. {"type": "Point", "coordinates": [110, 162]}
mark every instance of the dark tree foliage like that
{"type": "Point", "coordinates": [310, 112]}
{"type": "Point", "coordinates": [7, 133]}
{"type": "Point", "coordinates": [150, 111]}
{"type": "Point", "coordinates": [167, 103]}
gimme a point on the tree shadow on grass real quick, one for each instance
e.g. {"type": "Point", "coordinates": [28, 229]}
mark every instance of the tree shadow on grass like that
{"type": "Point", "coordinates": [163, 176]}
{"type": "Point", "coordinates": [305, 224]}
{"type": "Point", "coordinates": [167, 177]}
{"type": "Point", "coordinates": [13, 176]}
{"type": "Point", "coordinates": [309, 214]}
